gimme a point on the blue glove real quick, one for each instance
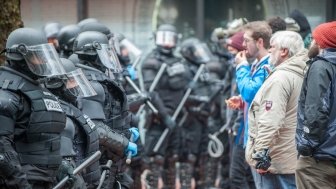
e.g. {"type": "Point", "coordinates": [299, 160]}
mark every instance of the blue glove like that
{"type": "Point", "coordinates": [135, 133]}
{"type": "Point", "coordinates": [133, 148]}
{"type": "Point", "coordinates": [131, 72]}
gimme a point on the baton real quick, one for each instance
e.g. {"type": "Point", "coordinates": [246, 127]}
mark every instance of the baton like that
{"type": "Point", "coordinates": [151, 106]}
{"type": "Point", "coordinates": [178, 109]}
{"type": "Point", "coordinates": [129, 154]}
{"type": "Point", "coordinates": [102, 177]}
{"type": "Point", "coordinates": [95, 157]}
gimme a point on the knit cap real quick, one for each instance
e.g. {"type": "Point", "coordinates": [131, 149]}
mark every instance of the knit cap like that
{"type": "Point", "coordinates": [325, 35]}
{"type": "Point", "coordinates": [236, 41]}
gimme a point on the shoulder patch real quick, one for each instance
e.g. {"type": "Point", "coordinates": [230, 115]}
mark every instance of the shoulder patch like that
{"type": "Point", "coordinates": [268, 105]}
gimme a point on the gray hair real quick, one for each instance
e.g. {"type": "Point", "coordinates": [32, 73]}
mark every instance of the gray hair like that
{"type": "Point", "coordinates": [288, 40]}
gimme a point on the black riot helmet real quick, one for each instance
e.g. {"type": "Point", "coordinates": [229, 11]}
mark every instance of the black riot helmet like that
{"type": "Point", "coordinates": [51, 30]}
{"type": "Point", "coordinates": [93, 47]}
{"type": "Point", "coordinates": [166, 38]}
{"type": "Point", "coordinates": [70, 85]}
{"type": "Point", "coordinates": [66, 37]}
{"type": "Point", "coordinates": [96, 26]}
{"type": "Point", "coordinates": [128, 51]}
{"type": "Point", "coordinates": [195, 51]}
{"type": "Point", "coordinates": [99, 27]}
{"type": "Point", "coordinates": [28, 51]}
{"type": "Point", "coordinates": [85, 21]}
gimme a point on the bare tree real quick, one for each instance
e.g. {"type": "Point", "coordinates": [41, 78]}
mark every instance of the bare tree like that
{"type": "Point", "coordinates": [10, 19]}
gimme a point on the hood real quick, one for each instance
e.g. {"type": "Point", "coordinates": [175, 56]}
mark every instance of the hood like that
{"type": "Point", "coordinates": [296, 64]}
{"type": "Point", "coordinates": [302, 21]}
{"type": "Point", "coordinates": [329, 55]}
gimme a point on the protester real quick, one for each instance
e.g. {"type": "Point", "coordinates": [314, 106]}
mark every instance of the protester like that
{"type": "Point", "coordinates": [272, 115]}
{"type": "Point", "coordinates": [240, 172]}
{"type": "Point", "coordinates": [315, 134]}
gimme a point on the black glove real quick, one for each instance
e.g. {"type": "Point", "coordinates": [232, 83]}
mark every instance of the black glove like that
{"type": "Point", "coordinates": [192, 85]}
{"type": "Point", "coordinates": [263, 159]}
{"type": "Point", "coordinates": [305, 150]}
{"type": "Point", "coordinates": [146, 96]}
{"type": "Point", "coordinates": [105, 168]}
{"type": "Point", "coordinates": [10, 171]}
{"type": "Point", "coordinates": [169, 122]}
{"type": "Point", "coordinates": [66, 169]}
{"type": "Point", "coordinates": [6, 168]}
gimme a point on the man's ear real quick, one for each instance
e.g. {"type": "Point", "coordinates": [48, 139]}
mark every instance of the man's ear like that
{"type": "Point", "coordinates": [284, 52]}
{"type": "Point", "coordinates": [260, 42]}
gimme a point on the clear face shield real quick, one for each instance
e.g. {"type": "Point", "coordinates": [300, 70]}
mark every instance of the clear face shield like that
{"type": "Point", "coordinates": [202, 52]}
{"type": "Point", "coordinates": [42, 60]}
{"type": "Point", "coordinates": [109, 58]}
{"type": "Point", "coordinates": [114, 43]}
{"type": "Point", "coordinates": [166, 39]}
{"type": "Point", "coordinates": [78, 85]}
{"type": "Point", "coordinates": [133, 51]}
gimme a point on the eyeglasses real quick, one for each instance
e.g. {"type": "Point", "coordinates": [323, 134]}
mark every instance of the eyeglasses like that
{"type": "Point", "coordinates": [247, 40]}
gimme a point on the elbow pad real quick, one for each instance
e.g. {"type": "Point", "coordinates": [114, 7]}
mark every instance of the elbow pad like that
{"type": "Point", "coordinates": [111, 140]}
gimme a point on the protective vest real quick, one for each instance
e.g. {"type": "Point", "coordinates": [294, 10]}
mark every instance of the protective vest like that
{"type": "Point", "coordinates": [173, 82]}
{"type": "Point", "coordinates": [41, 143]}
{"type": "Point", "coordinates": [115, 105]}
{"type": "Point", "coordinates": [86, 140]}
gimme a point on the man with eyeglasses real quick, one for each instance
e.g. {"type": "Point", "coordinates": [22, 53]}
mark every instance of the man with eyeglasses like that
{"type": "Point", "coordinates": [250, 77]}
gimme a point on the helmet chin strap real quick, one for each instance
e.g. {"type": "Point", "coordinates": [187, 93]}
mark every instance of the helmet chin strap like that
{"type": "Point", "coordinates": [166, 51]}
{"type": "Point", "coordinates": [22, 67]}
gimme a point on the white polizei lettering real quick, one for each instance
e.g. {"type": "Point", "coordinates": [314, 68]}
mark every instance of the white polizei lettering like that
{"type": "Point", "coordinates": [52, 105]}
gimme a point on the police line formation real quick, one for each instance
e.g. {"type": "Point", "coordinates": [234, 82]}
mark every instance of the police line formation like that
{"type": "Point", "coordinates": [73, 99]}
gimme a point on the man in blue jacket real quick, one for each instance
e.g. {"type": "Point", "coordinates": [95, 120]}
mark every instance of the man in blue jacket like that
{"type": "Point", "coordinates": [250, 77]}
{"type": "Point", "coordinates": [316, 129]}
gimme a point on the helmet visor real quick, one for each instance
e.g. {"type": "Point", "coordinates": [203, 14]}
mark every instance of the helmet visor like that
{"type": "Point", "coordinates": [202, 52]}
{"type": "Point", "coordinates": [114, 43]}
{"type": "Point", "coordinates": [165, 38]}
{"type": "Point", "coordinates": [78, 84]}
{"type": "Point", "coordinates": [109, 58]}
{"type": "Point", "coordinates": [43, 60]}
{"type": "Point", "coordinates": [132, 49]}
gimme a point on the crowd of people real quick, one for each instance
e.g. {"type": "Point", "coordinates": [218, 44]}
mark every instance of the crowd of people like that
{"type": "Point", "coordinates": [83, 107]}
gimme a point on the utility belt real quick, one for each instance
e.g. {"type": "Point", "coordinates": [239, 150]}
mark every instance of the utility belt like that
{"type": "Point", "coordinates": [42, 161]}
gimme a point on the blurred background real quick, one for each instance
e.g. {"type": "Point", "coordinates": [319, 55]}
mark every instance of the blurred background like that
{"type": "Point", "coordinates": [137, 19]}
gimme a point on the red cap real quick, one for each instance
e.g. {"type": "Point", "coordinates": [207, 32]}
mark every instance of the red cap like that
{"type": "Point", "coordinates": [325, 35]}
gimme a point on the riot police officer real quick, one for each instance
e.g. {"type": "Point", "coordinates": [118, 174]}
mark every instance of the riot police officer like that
{"type": "Point", "coordinates": [169, 90]}
{"type": "Point", "coordinates": [197, 110]}
{"type": "Point", "coordinates": [66, 37]}
{"type": "Point", "coordinates": [110, 105]}
{"type": "Point", "coordinates": [51, 30]}
{"type": "Point", "coordinates": [80, 136]}
{"type": "Point", "coordinates": [31, 117]}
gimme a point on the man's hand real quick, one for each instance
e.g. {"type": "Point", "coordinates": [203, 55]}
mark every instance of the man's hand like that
{"type": "Point", "coordinates": [263, 160]}
{"type": "Point", "coordinates": [261, 171]}
{"type": "Point", "coordinates": [235, 102]}
{"type": "Point", "coordinates": [240, 57]}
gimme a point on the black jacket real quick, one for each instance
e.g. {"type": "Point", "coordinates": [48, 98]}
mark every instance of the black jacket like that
{"type": "Point", "coordinates": [316, 130]}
